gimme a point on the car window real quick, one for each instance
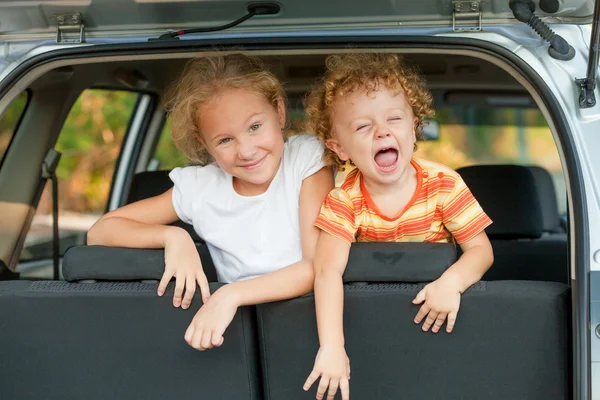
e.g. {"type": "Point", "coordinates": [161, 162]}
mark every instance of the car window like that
{"type": "Point", "coordinates": [90, 142]}
{"type": "Point", "coordinates": [495, 135]}
{"type": "Point", "coordinates": [167, 156]}
{"type": "Point", "coordinates": [10, 121]}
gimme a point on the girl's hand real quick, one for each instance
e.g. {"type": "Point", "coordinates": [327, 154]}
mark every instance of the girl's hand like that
{"type": "Point", "coordinates": [441, 300]}
{"type": "Point", "coordinates": [333, 366]}
{"type": "Point", "coordinates": [182, 261]}
{"type": "Point", "coordinates": [210, 322]}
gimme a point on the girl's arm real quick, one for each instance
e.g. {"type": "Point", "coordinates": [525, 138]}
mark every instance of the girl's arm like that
{"type": "Point", "coordinates": [209, 324]}
{"type": "Point", "coordinates": [143, 225]}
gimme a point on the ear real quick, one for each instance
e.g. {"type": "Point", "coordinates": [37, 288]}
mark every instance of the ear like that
{"type": "Point", "coordinates": [281, 112]}
{"type": "Point", "coordinates": [336, 147]}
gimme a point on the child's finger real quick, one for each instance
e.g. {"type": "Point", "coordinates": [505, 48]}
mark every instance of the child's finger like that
{"type": "Point", "coordinates": [420, 297]}
{"type": "Point", "coordinates": [345, 388]}
{"type": "Point", "coordinates": [204, 288]}
{"type": "Point", "coordinates": [164, 281]}
{"type": "Point", "coordinates": [314, 375]}
{"type": "Point", "coordinates": [190, 289]}
{"type": "Point", "coordinates": [333, 387]}
{"type": "Point", "coordinates": [322, 387]}
{"type": "Point", "coordinates": [451, 321]}
{"type": "Point", "coordinates": [189, 333]}
{"type": "Point", "coordinates": [439, 321]}
{"type": "Point", "coordinates": [196, 339]}
{"type": "Point", "coordinates": [216, 339]}
{"type": "Point", "coordinates": [179, 284]}
{"type": "Point", "coordinates": [430, 320]}
{"type": "Point", "coordinates": [206, 340]}
{"type": "Point", "coordinates": [423, 311]}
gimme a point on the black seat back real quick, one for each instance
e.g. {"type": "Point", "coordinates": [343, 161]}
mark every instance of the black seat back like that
{"type": "Point", "coordinates": [509, 195]}
{"type": "Point", "coordinates": [511, 341]}
{"type": "Point", "coordinates": [116, 340]}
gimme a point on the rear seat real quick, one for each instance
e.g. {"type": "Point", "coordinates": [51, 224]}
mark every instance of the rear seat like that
{"type": "Point", "coordinates": [116, 340]}
{"type": "Point", "coordinates": [509, 195]}
{"type": "Point", "coordinates": [511, 340]}
{"type": "Point", "coordinates": [548, 202]}
{"type": "Point", "coordinates": [119, 340]}
{"type": "Point", "coordinates": [152, 183]}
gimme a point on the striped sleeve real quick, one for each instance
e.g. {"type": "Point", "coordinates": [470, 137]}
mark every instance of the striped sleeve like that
{"type": "Point", "coordinates": [337, 216]}
{"type": "Point", "coordinates": [461, 213]}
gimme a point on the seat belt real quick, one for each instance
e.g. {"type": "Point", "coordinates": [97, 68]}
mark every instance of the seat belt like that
{"type": "Point", "coordinates": [49, 172]}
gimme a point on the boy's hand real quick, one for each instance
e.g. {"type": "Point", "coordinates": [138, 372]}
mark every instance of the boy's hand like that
{"type": "Point", "coordinates": [441, 300]}
{"type": "Point", "coordinates": [210, 322]}
{"type": "Point", "coordinates": [182, 261]}
{"type": "Point", "coordinates": [333, 366]}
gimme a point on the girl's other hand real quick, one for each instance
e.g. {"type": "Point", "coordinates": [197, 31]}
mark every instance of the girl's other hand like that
{"type": "Point", "coordinates": [182, 261]}
{"type": "Point", "coordinates": [333, 366]}
{"type": "Point", "coordinates": [210, 322]}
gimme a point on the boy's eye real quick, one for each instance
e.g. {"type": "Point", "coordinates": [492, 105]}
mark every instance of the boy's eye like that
{"type": "Point", "coordinates": [225, 140]}
{"type": "Point", "coordinates": [395, 119]}
{"type": "Point", "coordinates": [362, 127]}
{"type": "Point", "coordinates": [254, 127]}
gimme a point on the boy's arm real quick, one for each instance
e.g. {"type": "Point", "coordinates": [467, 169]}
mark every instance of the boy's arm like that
{"type": "Point", "coordinates": [331, 363]}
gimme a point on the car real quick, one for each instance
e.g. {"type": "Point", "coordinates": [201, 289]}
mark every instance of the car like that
{"type": "Point", "coordinates": [83, 131]}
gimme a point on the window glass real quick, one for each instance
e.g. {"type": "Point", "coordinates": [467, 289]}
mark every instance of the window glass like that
{"type": "Point", "coordinates": [90, 142]}
{"type": "Point", "coordinates": [9, 122]}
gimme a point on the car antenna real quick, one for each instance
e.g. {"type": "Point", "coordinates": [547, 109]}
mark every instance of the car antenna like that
{"type": "Point", "coordinates": [523, 10]}
{"type": "Point", "coordinates": [253, 9]}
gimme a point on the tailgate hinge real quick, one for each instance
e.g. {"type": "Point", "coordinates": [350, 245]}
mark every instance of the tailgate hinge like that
{"type": "Point", "coordinates": [466, 16]}
{"type": "Point", "coordinates": [70, 28]}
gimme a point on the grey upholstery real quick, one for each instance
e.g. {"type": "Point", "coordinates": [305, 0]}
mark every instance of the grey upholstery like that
{"type": "Point", "coordinates": [511, 341]}
{"type": "Point", "coordinates": [117, 341]}
{"type": "Point", "coordinates": [509, 195]}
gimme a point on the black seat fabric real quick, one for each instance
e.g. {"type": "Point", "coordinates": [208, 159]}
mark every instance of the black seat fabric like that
{"type": "Point", "coordinates": [100, 341]}
{"type": "Point", "coordinates": [511, 341]}
{"type": "Point", "coordinates": [152, 183]}
{"type": "Point", "coordinates": [509, 195]}
{"type": "Point", "coordinates": [548, 202]}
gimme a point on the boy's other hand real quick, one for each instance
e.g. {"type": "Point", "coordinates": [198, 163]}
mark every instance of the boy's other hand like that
{"type": "Point", "coordinates": [441, 300]}
{"type": "Point", "coordinates": [210, 322]}
{"type": "Point", "coordinates": [182, 261]}
{"type": "Point", "coordinates": [333, 366]}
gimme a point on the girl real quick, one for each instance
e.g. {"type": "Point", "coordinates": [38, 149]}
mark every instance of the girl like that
{"type": "Point", "coordinates": [254, 202]}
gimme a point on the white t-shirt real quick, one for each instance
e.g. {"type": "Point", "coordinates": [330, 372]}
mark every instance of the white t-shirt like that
{"type": "Point", "coordinates": [248, 236]}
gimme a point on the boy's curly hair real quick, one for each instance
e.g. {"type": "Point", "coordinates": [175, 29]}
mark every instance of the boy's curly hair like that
{"type": "Point", "coordinates": [201, 80]}
{"type": "Point", "coordinates": [346, 73]}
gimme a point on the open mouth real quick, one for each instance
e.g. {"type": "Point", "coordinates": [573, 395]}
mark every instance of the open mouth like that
{"type": "Point", "coordinates": [386, 159]}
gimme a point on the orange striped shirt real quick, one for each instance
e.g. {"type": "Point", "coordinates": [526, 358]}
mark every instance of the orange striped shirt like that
{"type": "Point", "coordinates": [441, 209]}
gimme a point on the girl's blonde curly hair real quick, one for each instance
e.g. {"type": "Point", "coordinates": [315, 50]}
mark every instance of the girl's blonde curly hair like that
{"type": "Point", "coordinates": [201, 80]}
{"type": "Point", "coordinates": [346, 73]}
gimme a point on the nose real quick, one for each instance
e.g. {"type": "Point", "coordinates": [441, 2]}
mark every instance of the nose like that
{"type": "Point", "coordinates": [382, 132]}
{"type": "Point", "coordinates": [246, 149]}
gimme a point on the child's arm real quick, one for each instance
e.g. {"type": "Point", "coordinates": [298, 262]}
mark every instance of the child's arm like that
{"type": "Point", "coordinates": [442, 297]}
{"type": "Point", "coordinates": [209, 324]}
{"type": "Point", "coordinates": [331, 363]}
{"type": "Point", "coordinates": [143, 225]}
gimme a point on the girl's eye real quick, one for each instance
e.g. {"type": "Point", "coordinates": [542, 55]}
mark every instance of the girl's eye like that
{"type": "Point", "coordinates": [254, 127]}
{"type": "Point", "coordinates": [225, 140]}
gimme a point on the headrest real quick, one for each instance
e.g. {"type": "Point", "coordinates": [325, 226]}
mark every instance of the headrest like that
{"type": "Point", "coordinates": [152, 183]}
{"type": "Point", "coordinates": [547, 197]}
{"type": "Point", "coordinates": [368, 262]}
{"type": "Point", "coordinates": [508, 194]}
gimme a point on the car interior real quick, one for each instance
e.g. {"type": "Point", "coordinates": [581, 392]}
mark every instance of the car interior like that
{"type": "Point", "coordinates": [98, 330]}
